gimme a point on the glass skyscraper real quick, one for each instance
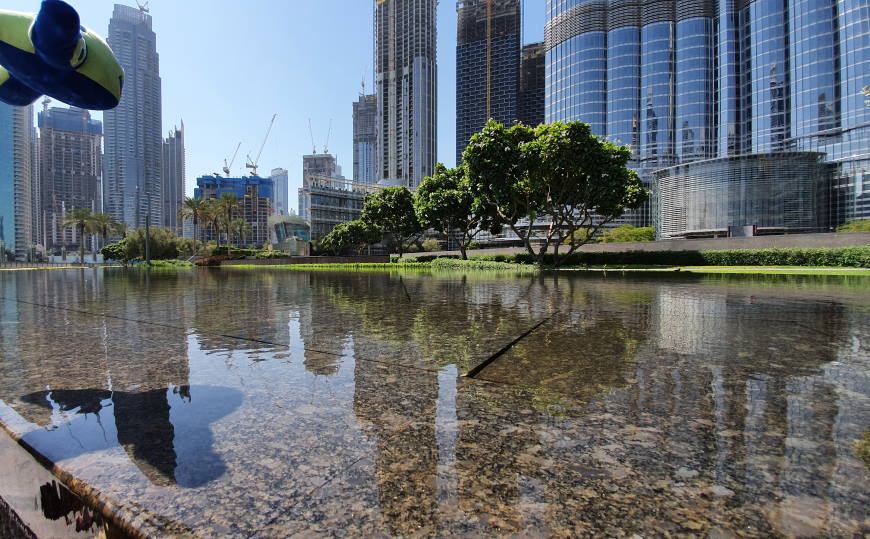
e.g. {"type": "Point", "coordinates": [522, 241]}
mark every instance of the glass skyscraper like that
{"type": "Point", "coordinates": [487, 66]}
{"type": "Point", "coordinates": [133, 130]}
{"type": "Point", "coordinates": [16, 180]}
{"type": "Point", "coordinates": [695, 81]}
{"type": "Point", "coordinates": [406, 78]}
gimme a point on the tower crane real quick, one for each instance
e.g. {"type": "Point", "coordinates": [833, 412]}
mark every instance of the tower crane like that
{"type": "Point", "coordinates": [228, 166]}
{"type": "Point", "coordinates": [253, 164]}
{"type": "Point", "coordinates": [328, 134]}
{"type": "Point", "coordinates": [311, 134]}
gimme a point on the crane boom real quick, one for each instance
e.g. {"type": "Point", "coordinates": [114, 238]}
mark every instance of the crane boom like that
{"type": "Point", "coordinates": [228, 166]}
{"type": "Point", "coordinates": [328, 134]}
{"type": "Point", "coordinates": [253, 165]}
{"type": "Point", "coordinates": [311, 134]}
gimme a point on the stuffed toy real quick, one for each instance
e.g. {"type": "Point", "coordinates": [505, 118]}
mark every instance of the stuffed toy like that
{"type": "Point", "coordinates": [51, 54]}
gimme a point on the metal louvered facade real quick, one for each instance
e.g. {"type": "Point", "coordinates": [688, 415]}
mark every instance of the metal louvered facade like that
{"type": "Point", "coordinates": [776, 193]}
{"type": "Point", "coordinates": [698, 80]}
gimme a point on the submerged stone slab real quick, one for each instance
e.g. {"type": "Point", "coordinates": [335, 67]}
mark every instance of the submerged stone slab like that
{"type": "Point", "coordinates": [289, 403]}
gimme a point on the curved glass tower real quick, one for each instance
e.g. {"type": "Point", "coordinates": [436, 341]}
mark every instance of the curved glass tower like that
{"type": "Point", "coordinates": [687, 81]}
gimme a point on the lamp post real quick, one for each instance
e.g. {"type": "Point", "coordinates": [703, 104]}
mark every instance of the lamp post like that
{"type": "Point", "coordinates": [148, 238]}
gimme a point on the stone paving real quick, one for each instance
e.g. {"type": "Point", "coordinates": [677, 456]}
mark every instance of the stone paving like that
{"type": "Point", "coordinates": [270, 403]}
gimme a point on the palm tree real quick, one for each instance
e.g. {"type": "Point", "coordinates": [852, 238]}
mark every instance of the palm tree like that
{"type": "Point", "coordinates": [240, 228]}
{"type": "Point", "coordinates": [119, 228]}
{"type": "Point", "coordinates": [102, 223]}
{"type": "Point", "coordinates": [82, 220]}
{"type": "Point", "coordinates": [229, 203]}
{"type": "Point", "coordinates": [193, 209]}
{"type": "Point", "coordinates": [211, 216]}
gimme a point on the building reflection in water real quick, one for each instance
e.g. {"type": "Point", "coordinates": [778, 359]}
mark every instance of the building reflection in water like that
{"type": "Point", "coordinates": [637, 397]}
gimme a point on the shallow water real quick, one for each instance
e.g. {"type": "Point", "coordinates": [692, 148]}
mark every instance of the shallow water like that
{"type": "Point", "coordinates": [273, 402]}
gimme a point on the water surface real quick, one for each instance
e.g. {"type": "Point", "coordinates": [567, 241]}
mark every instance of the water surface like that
{"type": "Point", "coordinates": [270, 402]}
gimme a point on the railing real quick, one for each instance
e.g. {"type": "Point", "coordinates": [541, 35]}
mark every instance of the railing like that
{"type": "Point", "coordinates": [9, 265]}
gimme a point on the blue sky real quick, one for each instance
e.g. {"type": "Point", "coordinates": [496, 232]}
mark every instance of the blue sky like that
{"type": "Point", "coordinates": [227, 66]}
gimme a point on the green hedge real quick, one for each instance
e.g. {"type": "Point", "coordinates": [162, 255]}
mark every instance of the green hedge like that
{"type": "Point", "coordinates": [856, 257]}
{"type": "Point", "coordinates": [849, 257]}
{"type": "Point", "coordinates": [222, 250]}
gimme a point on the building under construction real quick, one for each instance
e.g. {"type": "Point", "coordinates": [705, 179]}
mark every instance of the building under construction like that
{"type": "Point", "coordinates": [328, 201]}
{"type": "Point", "coordinates": [255, 204]}
{"type": "Point", "coordinates": [488, 36]}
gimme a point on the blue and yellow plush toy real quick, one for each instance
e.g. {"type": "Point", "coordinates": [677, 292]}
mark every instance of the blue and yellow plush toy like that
{"type": "Point", "coordinates": [50, 53]}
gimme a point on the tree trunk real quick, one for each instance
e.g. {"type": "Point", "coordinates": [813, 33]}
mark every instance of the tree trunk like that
{"type": "Point", "coordinates": [194, 238]}
{"type": "Point", "coordinates": [462, 249]}
{"type": "Point", "coordinates": [81, 245]}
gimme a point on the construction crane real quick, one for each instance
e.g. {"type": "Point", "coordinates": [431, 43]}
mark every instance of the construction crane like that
{"type": "Point", "coordinates": [143, 7]}
{"type": "Point", "coordinates": [311, 134]}
{"type": "Point", "coordinates": [228, 166]}
{"type": "Point", "coordinates": [328, 134]}
{"type": "Point", "coordinates": [253, 164]}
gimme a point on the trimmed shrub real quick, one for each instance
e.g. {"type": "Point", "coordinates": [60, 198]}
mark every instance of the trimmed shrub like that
{"type": "Point", "coordinates": [831, 257]}
{"type": "Point", "coordinates": [217, 259]}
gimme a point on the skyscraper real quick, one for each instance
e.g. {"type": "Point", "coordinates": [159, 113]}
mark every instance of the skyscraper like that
{"type": "Point", "coordinates": [16, 180]}
{"type": "Point", "coordinates": [280, 178]}
{"type": "Point", "coordinates": [530, 103]}
{"type": "Point", "coordinates": [365, 138]}
{"type": "Point", "coordinates": [134, 142]}
{"type": "Point", "coordinates": [727, 105]}
{"type": "Point", "coordinates": [487, 65]}
{"type": "Point", "coordinates": [406, 78]}
{"type": "Point", "coordinates": [173, 179]}
{"type": "Point", "coordinates": [70, 148]}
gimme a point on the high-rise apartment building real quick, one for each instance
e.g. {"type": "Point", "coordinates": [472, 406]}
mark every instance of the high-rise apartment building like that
{"type": "Point", "coordinates": [133, 134]}
{"type": "Point", "coordinates": [254, 195]}
{"type": "Point", "coordinates": [280, 178]}
{"type": "Point", "coordinates": [488, 36]}
{"type": "Point", "coordinates": [365, 138]}
{"type": "Point", "coordinates": [173, 179]}
{"type": "Point", "coordinates": [530, 101]}
{"type": "Point", "coordinates": [70, 153]}
{"type": "Point", "coordinates": [726, 106]}
{"type": "Point", "coordinates": [16, 180]}
{"type": "Point", "coordinates": [406, 77]}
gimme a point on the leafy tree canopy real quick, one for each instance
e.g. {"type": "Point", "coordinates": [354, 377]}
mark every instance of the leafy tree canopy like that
{"type": "Point", "coordinates": [559, 174]}
{"type": "Point", "coordinates": [446, 203]}
{"type": "Point", "coordinates": [354, 235]}
{"type": "Point", "coordinates": [392, 211]}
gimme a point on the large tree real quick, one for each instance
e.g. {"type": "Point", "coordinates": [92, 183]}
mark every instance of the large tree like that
{"type": "Point", "coordinates": [444, 202]}
{"type": "Point", "coordinates": [354, 235]}
{"type": "Point", "coordinates": [392, 211]}
{"type": "Point", "coordinates": [559, 173]}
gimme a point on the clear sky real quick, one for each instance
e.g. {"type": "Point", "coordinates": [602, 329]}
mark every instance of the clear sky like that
{"type": "Point", "coordinates": [228, 65]}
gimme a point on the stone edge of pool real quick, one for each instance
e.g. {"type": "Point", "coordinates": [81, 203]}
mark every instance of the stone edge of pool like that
{"type": "Point", "coordinates": [130, 521]}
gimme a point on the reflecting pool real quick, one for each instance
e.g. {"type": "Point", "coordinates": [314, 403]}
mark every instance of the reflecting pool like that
{"type": "Point", "coordinates": [271, 403]}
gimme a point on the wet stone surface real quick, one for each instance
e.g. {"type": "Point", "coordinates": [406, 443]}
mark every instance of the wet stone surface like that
{"type": "Point", "coordinates": [275, 403]}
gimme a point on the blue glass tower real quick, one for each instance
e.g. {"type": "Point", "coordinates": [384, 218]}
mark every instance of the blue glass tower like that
{"type": "Point", "coordinates": [690, 81]}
